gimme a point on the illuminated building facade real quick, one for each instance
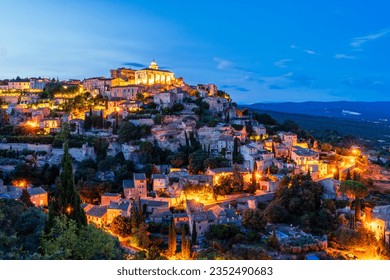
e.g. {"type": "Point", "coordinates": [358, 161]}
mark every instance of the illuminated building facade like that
{"type": "Point", "coordinates": [153, 75]}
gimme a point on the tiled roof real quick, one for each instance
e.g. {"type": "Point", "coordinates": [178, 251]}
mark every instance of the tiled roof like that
{"type": "Point", "coordinates": [128, 184]}
{"type": "Point", "coordinates": [159, 176]}
{"type": "Point", "coordinates": [139, 176]}
{"type": "Point", "coordinates": [119, 205]}
{"type": "Point", "coordinates": [36, 191]}
{"type": "Point", "coordinates": [111, 194]}
{"type": "Point", "coordinates": [97, 211]}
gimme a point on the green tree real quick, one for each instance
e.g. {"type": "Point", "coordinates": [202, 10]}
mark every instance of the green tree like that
{"type": "Point", "coordinates": [66, 200]}
{"type": "Point", "coordinates": [185, 244]}
{"type": "Point", "coordinates": [355, 191]}
{"type": "Point", "coordinates": [194, 234]}
{"type": "Point", "coordinates": [348, 176]}
{"type": "Point", "coordinates": [67, 241]}
{"type": "Point", "coordinates": [253, 219]}
{"type": "Point", "coordinates": [172, 238]}
{"type": "Point", "coordinates": [197, 162]}
{"type": "Point", "coordinates": [121, 226]}
{"type": "Point", "coordinates": [26, 198]}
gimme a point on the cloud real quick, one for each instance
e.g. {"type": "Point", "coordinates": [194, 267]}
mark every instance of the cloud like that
{"type": "Point", "coordinates": [343, 56]}
{"type": "Point", "coordinates": [310, 52]}
{"type": "Point", "coordinates": [357, 42]}
{"type": "Point", "coordinates": [235, 87]}
{"type": "Point", "coordinates": [282, 63]}
{"type": "Point", "coordinates": [134, 64]}
{"type": "Point", "coordinates": [223, 64]}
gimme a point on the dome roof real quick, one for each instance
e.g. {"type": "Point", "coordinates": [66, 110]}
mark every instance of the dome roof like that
{"type": "Point", "coordinates": [153, 65]}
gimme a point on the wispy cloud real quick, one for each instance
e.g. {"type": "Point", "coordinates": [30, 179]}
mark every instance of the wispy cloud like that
{"type": "Point", "coordinates": [282, 63]}
{"type": "Point", "coordinates": [343, 56]}
{"type": "Point", "coordinates": [223, 64]}
{"type": "Point", "coordinates": [310, 52]}
{"type": "Point", "coordinates": [134, 64]}
{"type": "Point", "coordinates": [359, 41]}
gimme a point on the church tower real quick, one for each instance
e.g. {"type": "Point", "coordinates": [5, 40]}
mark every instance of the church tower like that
{"type": "Point", "coordinates": [153, 65]}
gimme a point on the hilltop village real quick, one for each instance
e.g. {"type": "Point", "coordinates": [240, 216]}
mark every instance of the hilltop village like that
{"type": "Point", "coordinates": [155, 168]}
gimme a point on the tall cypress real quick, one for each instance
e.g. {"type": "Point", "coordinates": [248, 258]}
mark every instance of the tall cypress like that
{"type": "Point", "coordinates": [66, 200]}
{"type": "Point", "coordinates": [185, 244]}
{"type": "Point", "coordinates": [194, 234]}
{"type": "Point", "coordinates": [172, 238]}
{"type": "Point", "coordinates": [348, 176]}
{"type": "Point", "coordinates": [26, 198]}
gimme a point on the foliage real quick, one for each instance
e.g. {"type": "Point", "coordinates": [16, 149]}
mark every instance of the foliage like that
{"type": "Point", "coordinates": [217, 162]}
{"type": "Point", "coordinates": [139, 235]}
{"type": "Point", "coordinates": [354, 189]}
{"type": "Point", "coordinates": [26, 198]}
{"type": "Point", "coordinates": [67, 241]}
{"type": "Point", "coordinates": [222, 231]}
{"type": "Point", "coordinates": [86, 170]}
{"type": "Point", "coordinates": [185, 244]}
{"type": "Point", "coordinates": [230, 183]}
{"type": "Point", "coordinates": [129, 132]}
{"type": "Point", "coordinates": [121, 226]}
{"type": "Point", "coordinates": [264, 119]}
{"type": "Point", "coordinates": [20, 230]}
{"type": "Point", "coordinates": [66, 200]}
{"type": "Point", "coordinates": [172, 238]}
{"type": "Point", "coordinates": [197, 162]}
{"type": "Point", "coordinates": [350, 238]}
{"type": "Point", "coordinates": [253, 219]}
{"type": "Point", "coordinates": [194, 234]}
{"type": "Point", "coordinates": [91, 191]}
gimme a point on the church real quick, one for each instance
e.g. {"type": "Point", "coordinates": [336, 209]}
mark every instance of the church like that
{"type": "Point", "coordinates": [152, 75]}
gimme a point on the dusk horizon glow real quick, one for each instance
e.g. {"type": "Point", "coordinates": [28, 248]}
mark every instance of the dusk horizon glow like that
{"type": "Point", "coordinates": [256, 51]}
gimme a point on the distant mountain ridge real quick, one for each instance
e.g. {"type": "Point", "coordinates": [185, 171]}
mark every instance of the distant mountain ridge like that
{"type": "Point", "coordinates": [363, 111]}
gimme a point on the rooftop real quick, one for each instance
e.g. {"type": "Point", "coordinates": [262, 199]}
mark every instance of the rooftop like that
{"type": "Point", "coordinates": [128, 184]}
{"type": "Point", "coordinates": [139, 176]}
{"type": "Point", "coordinates": [36, 191]}
{"type": "Point", "coordinates": [97, 211]}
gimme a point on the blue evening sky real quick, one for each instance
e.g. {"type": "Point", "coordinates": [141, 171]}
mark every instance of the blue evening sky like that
{"type": "Point", "coordinates": [258, 51]}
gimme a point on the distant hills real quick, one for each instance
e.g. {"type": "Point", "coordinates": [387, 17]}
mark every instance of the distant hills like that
{"type": "Point", "coordinates": [362, 111]}
{"type": "Point", "coordinates": [369, 120]}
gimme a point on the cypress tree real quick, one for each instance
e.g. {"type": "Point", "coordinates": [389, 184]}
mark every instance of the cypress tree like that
{"type": "Point", "coordinates": [273, 148]}
{"type": "Point", "coordinates": [185, 244]}
{"type": "Point", "coordinates": [66, 200]}
{"type": "Point", "coordinates": [194, 234]}
{"type": "Point", "coordinates": [26, 198]}
{"type": "Point", "coordinates": [348, 177]}
{"type": "Point", "coordinates": [172, 238]}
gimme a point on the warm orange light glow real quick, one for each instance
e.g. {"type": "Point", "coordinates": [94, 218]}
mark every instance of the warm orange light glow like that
{"type": "Point", "coordinates": [68, 210]}
{"type": "Point", "coordinates": [22, 183]}
{"type": "Point", "coordinates": [32, 124]}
